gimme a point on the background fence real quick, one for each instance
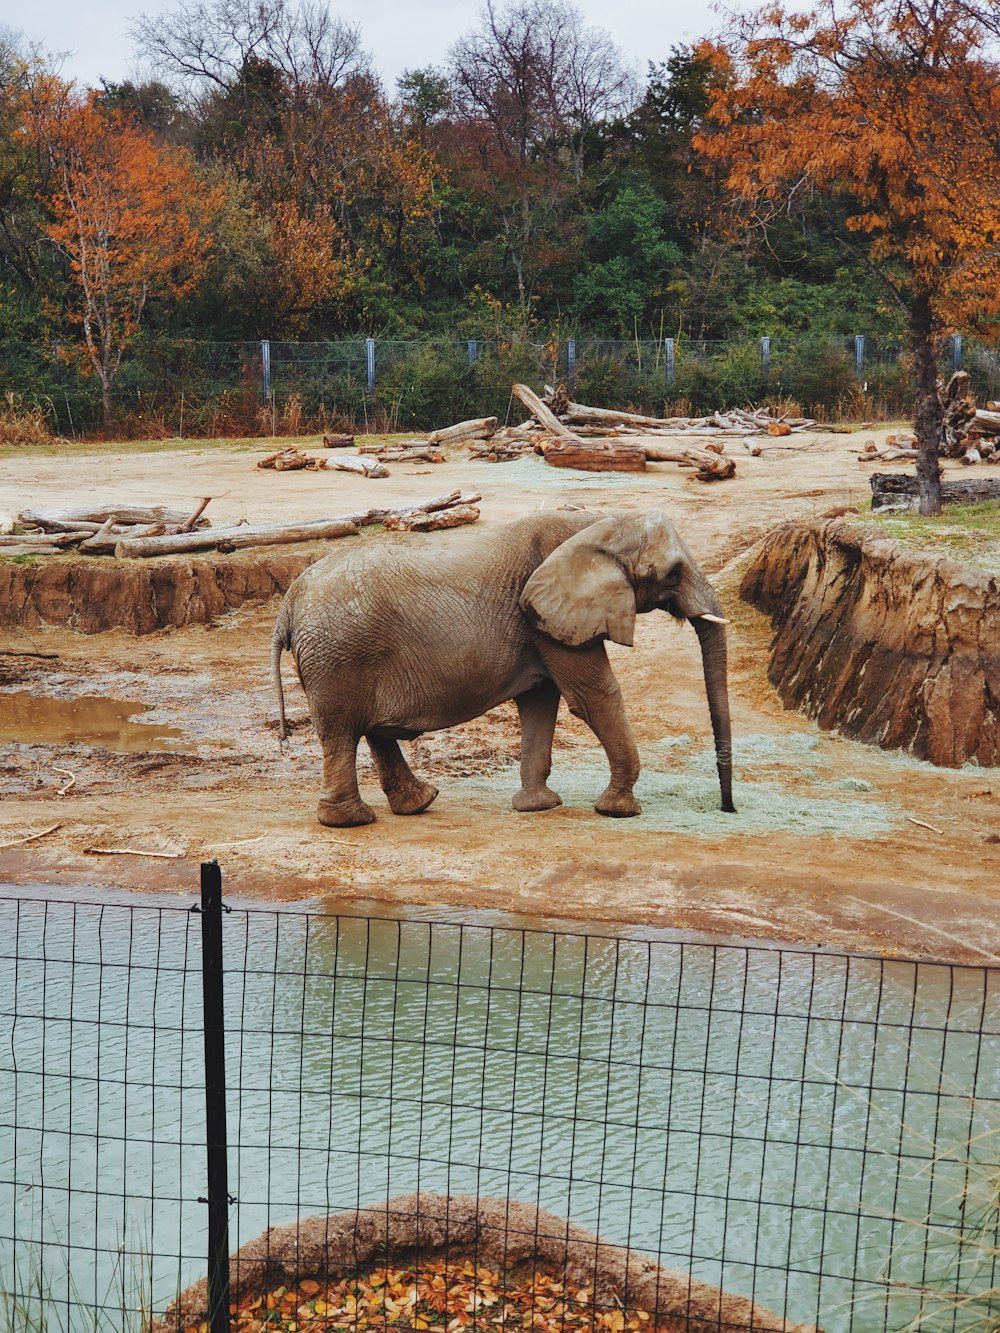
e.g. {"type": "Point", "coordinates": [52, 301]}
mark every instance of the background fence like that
{"type": "Point", "coordinates": [817, 1131]}
{"type": "Point", "coordinates": [176, 387]}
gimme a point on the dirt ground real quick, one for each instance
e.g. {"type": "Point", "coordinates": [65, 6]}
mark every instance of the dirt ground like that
{"type": "Point", "coordinates": [831, 845]}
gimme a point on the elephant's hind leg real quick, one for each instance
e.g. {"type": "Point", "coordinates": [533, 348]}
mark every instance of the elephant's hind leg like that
{"type": "Point", "coordinates": [406, 794]}
{"type": "Point", "coordinates": [340, 803]}
{"type": "Point", "coordinates": [537, 709]}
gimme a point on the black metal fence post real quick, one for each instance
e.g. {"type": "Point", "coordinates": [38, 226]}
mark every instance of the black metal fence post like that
{"type": "Point", "coordinates": [215, 1097]}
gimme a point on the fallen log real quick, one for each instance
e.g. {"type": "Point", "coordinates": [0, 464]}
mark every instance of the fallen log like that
{"type": "Point", "coordinates": [363, 465]}
{"type": "Point", "coordinates": [711, 466]}
{"type": "Point", "coordinates": [892, 490]}
{"type": "Point", "coordinates": [478, 428]}
{"type": "Point", "coordinates": [30, 548]}
{"type": "Point", "coordinates": [422, 522]}
{"type": "Point", "coordinates": [609, 456]}
{"type": "Point", "coordinates": [97, 516]}
{"type": "Point", "coordinates": [54, 540]}
{"type": "Point", "coordinates": [578, 414]}
{"type": "Point", "coordinates": [410, 455]}
{"type": "Point", "coordinates": [233, 538]}
{"type": "Point", "coordinates": [338, 441]}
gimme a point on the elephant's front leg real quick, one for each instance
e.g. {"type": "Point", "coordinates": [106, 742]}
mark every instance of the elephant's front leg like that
{"type": "Point", "coordinates": [407, 795]}
{"type": "Point", "coordinates": [591, 692]}
{"type": "Point", "coordinates": [340, 803]}
{"type": "Point", "coordinates": [537, 708]}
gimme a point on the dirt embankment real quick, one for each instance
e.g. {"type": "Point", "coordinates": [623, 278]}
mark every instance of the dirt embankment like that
{"type": "Point", "coordinates": [892, 647]}
{"type": "Point", "coordinates": [142, 596]}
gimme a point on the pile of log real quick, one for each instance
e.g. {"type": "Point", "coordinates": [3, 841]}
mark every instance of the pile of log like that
{"type": "Point", "coordinates": [736, 421]}
{"type": "Point", "coordinates": [970, 433]}
{"type": "Point", "coordinates": [93, 530]}
{"type": "Point", "coordinates": [898, 448]}
{"type": "Point", "coordinates": [293, 460]}
{"type": "Point", "coordinates": [133, 533]}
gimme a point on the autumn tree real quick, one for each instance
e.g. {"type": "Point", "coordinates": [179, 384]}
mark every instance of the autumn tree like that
{"type": "Point", "coordinates": [893, 108]}
{"type": "Point", "coordinates": [528, 85]}
{"type": "Point", "coordinates": [131, 216]}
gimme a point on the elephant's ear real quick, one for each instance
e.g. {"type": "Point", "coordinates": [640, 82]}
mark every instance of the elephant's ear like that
{"type": "Point", "coordinates": [580, 592]}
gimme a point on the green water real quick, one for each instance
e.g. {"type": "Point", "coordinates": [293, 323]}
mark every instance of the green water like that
{"type": "Point", "coordinates": [806, 1129]}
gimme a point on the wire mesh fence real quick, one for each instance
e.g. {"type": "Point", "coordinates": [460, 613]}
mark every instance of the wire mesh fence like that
{"type": "Point", "coordinates": [177, 387]}
{"type": "Point", "coordinates": [819, 1133]}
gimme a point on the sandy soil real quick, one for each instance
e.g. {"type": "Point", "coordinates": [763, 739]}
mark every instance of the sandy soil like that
{"type": "Point", "coordinates": [830, 845]}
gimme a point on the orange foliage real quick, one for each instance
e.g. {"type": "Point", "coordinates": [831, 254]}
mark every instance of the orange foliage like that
{"type": "Point", "coordinates": [339, 183]}
{"type": "Point", "coordinates": [438, 1297]}
{"type": "Point", "coordinates": [894, 108]}
{"type": "Point", "coordinates": [131, 215]}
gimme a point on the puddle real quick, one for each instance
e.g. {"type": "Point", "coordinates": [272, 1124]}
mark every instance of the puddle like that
{"type": "Point", "coordinates": [35, 720]}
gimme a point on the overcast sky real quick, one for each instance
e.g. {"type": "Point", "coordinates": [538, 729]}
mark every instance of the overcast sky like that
{"type": "Point", "coordinates": [400, 34]}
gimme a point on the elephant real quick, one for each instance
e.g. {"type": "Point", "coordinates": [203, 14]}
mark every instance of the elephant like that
{"type": "Point", "coordinates": [391, 641]}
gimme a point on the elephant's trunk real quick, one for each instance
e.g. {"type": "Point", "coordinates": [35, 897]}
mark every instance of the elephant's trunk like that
{"type": "Point", "coordinates": [712, 637]}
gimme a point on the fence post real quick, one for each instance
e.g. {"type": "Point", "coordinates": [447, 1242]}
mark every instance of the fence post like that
{"type": "Point", "coordinates": [370, 363]}
{"type": "Point", "coordinates": [956, 352]}
{"type": "Point", "coordinates": [668, 359]}
{"type": "Point", "coordinates": [859, 356]}
{"type": "Point", "coordinates": [265, 368]}
{"type": "Point", "coordinates": [215, 1097]}
{"type": "Point", "coordinates": [570, 360]}
{"type": "Point", "coordinates": [473, 351]}
{"type": "Point", "coordinates": [765, 358]}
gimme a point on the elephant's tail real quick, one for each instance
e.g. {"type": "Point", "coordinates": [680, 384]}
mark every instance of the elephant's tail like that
{"type": "Point", "coordinates": [280, 640]}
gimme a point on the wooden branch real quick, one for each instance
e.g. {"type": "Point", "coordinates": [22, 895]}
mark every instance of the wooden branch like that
{"type": "Point", "coordinates": [544, 415]}
{"type": "Point", "coordinates": [130, 851]}
{"type": "Point", "coordinates": [31, 837]}
{"type": "Point", "coordinates": [189, 523]}
{"type": "Point", "coordinates": [26, 652]}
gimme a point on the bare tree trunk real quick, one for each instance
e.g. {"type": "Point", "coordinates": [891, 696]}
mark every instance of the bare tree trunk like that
{"type": "Point", "coordinates": [928, 420]}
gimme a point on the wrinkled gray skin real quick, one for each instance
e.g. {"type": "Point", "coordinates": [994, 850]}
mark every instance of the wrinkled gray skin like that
{"type": "Point", "coordinates": [392, 641]}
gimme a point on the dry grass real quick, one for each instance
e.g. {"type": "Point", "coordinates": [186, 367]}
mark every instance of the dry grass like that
{"type": "Point", "coordinates": [23, 421]}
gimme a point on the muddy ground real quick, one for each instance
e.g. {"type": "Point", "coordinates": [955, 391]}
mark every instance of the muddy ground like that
{"type": "Point", "coordinates": [830, 845]}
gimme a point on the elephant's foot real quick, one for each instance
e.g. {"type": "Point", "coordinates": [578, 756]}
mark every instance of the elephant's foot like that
{"type": "Point", "coordinates": [344, 814]}
{"type": "Point", "coordinates": [536, 798]}
{"type": "Point", "coordinates": [617, 804]}
{"type": "Point", "coordinates": [410, 798]}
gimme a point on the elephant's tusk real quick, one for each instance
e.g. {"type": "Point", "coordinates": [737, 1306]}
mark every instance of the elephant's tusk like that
{"type": "Point", "coordinates": [716, 620]}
